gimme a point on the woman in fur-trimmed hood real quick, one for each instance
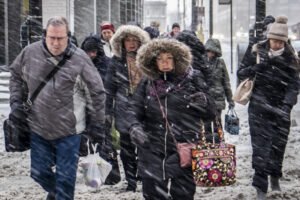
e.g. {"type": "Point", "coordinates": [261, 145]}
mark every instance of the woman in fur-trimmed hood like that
{"type": "Point", "coordinates": [122, 78]}
{"type": "Point", "coordinates": [171, 88]}
{"type": "Point", "coordinates": [122, 32]}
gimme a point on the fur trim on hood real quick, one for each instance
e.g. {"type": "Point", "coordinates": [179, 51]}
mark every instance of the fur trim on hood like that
{"type": "Point", "coordinates": [122, 32]}
{"type": "Point", "coordinates": [147, 54]}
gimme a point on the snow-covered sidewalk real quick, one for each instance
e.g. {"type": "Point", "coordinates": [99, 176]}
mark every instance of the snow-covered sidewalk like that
{"type": "Point", "coordinates": [15, 183]}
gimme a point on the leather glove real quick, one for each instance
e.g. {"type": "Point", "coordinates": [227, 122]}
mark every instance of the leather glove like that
{"type": "Point", "coordinates": [259, 67]}
{"type": "Point", "coordinates": [231, 105]}
{"type": "Point", "coordinates": [263, 61]}
{"type": "Point", "coordinates": [138, 136]}
{"type": "Point", "coordinates": [18, 114]}
{"type": "Point", "coordinates": [198, 98]}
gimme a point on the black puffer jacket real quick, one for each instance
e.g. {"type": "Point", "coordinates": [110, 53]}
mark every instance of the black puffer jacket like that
{"type": "Point", "coordinates": [277, 84]}
{"type": "Point", "coordinates": [158, 158]}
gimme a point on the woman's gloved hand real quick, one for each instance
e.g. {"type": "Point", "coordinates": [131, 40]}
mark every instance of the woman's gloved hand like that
{"type": "Point", "coordinates": [231, 105]}
{"type": "Point", "coordinates": [198, 98]}
{"type": "Point", "coordinates": [138, 136]}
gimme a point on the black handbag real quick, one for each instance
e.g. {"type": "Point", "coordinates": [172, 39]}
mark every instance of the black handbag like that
{"type": "Point", "coordinates": [232, 122]}
{"type": "Point", "coordinates": [114, 176]}
{"type": "Point", "coordinates": [16, 130]}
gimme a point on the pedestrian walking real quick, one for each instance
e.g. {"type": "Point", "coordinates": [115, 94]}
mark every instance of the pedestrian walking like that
{"type": "Point", "coordinates": [57, 117]}
{"type": "Point", "coordinates": [107, 30]}
{"type": "Point", "coordinates": [217, 78]}
{"type": "Point", "coordinates": [275, 67]}
{"type": "Point", "coordinates": [121, 81]}
{"type": "Point", "coordinates": [171, 99]}
{"type": "Point", "coordinates": [94, 48]}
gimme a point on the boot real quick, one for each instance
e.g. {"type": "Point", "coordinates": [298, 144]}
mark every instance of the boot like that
{"type": "Point", "coordinates": [275, 186]}
{"type": "Point", "coordinates": [50, 196]}
{"type": "Point", "coordinates": [260, 194]}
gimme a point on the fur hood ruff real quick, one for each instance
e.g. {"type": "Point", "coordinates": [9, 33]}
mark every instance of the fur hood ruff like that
{"type": "Point", "coordinates": [122, 32]}
{"type": "Point", "coordinates": [147, 54]}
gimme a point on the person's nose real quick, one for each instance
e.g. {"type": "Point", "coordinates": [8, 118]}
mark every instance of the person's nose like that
{"type": "Point", "coordinates": [55, 41]}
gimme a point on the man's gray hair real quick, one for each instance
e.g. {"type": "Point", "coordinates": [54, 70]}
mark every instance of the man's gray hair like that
{"type": "Point", "coordinates": [58, 21]}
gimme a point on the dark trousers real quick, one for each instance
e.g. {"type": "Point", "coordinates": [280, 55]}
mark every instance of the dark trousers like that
{"type": "Point", "coordinates": [269, 130]}
{"type": "Point", "coordinates": [61, 154]}
{"type": "Point", "coordinates": [129, 159]}
{"type": "Point", "coordinates": [181, 188]}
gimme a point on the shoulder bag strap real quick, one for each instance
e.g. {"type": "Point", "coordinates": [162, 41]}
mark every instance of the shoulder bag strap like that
{"type": "Point", "coordinates": [30, 100]}
{"type": "Point", "coordinates": [161, 107]}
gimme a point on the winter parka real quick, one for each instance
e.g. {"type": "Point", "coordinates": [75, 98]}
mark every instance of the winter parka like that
{"type": "Point", "coordinates": [102, 61]}
{"type": "Point", "coordinates": [273, 96]}
{"type": "Point", "coordinates": [216, 75]}
{"type": "Point", "coordinates": [59, 109]}
{"type": "Point", "coordinates": [116, 80]}
{"type": "Point", "coordinates": [158, 158]}
{"type": "Point", "coordinates": [278, 84]}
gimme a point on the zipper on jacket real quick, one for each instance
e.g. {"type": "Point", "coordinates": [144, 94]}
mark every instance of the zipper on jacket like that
{"type": "Point", "coordinates": [166, 135]}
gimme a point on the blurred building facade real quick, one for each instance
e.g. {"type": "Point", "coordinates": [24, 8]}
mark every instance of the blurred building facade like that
{"type": "Point", "coordinates": [155, 10]}
{"type": "Point", "coordinates": [22, 21]}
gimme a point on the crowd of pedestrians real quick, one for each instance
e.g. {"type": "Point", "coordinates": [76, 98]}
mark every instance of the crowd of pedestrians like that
{"type": "Point", "coordinates": [152, 88]}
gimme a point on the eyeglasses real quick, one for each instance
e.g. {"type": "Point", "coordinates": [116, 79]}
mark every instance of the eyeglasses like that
{"type": "Point", "coordinates": [59, 39]}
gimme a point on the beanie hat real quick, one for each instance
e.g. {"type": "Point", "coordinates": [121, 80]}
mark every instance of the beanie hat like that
{"type": "Point", "coordinates": [279, 29]}
{"type": "Point", "coordinates": [90, 45]}
{"type": "Point", "coordinates": [107, 26]}
{"type": "Point", "coordinates": [175, 25]}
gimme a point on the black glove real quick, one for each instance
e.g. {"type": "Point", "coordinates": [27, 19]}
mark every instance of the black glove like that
{"type": "Point", "coordinates": [198, 98]}
{"type": "Point", "coordinates": [138, 136]}
{"type": "Point", "coordinates": [231, 105]}
{"type": "Point", "coordinates": [18, 114]}
{"type": "Point", "coordinates": [259, 67]}
{"type": "Point", "coordinates": [263, 61]}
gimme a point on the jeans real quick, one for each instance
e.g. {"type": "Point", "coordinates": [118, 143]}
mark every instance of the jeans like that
{"type": "Point", "coordinates": [54, 164]}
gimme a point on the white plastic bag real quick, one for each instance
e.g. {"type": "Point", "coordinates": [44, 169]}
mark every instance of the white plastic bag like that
{"type": "Point", "coordinates": [96, 169]}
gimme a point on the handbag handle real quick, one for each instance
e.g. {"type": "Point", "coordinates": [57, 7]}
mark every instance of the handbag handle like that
{"type": "Point", "coordinates": [219, 130]}
{"type": "Point", "coordinates": [231, 111]}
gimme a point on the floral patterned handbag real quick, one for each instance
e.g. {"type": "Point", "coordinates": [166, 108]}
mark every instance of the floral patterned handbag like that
{"type": "Point", "coordinates": [214, 164]}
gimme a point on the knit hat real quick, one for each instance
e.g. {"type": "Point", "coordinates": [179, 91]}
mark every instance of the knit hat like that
{"type": "Point", "coordinates": [279, 29]}
{"type": "Point", "coordinates": [107, 25]}
{"type": "Point", "coordinates": [90, 46]}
